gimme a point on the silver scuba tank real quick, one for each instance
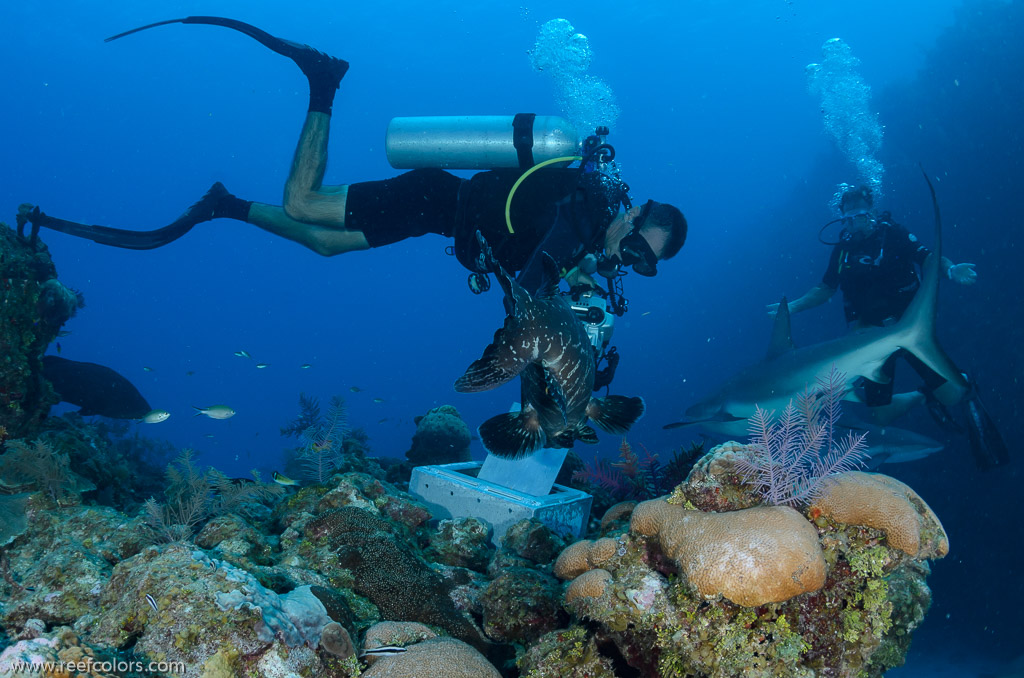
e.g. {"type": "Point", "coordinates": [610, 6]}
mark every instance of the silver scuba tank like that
{"type": "Point", "coordinates": [475, 142]}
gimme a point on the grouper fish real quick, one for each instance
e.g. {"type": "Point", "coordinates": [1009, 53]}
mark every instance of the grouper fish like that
{"type": "Point", "coordinates": [96, 389]}
{"type": "Point", "coordinates": [543, 343]}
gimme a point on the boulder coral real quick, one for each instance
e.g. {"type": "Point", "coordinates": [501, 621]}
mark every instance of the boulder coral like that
{"type": "Point", "coordinates": [710, 582]}
{"type": "Point", "coordinates": [441, 437]}
{"type": "Point", "coordinates": [434, 658]}
{"type": "Point", "coordinates": [584, 555]}
{"type": "Point", "coordinates": [754, 556]}
{"type": "Point", "coordinates": [876, 500]}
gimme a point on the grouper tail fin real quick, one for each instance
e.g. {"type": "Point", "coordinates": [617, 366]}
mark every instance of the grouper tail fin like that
{"type": "Point", "coordinates": [512, 435]}
{"type": "Point", "coordinates": [616, 414]}
{"type": "Point", "coordinates": [916, 329]}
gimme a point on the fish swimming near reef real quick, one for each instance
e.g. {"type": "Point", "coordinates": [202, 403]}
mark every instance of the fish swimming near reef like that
{"type": "Point", "coordinates": [786, 371]}
{"type": "Point", "coordinates": [94, 388]}
{"type": "Point", "coordinates": [215, 411]}
{"type": "Point", "coordinates": [156, 416]}
{"type": "Point", "coordinates": [544, 343]}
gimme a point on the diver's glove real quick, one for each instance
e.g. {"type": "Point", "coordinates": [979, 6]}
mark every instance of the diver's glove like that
{"type": "Point", "coordinates": [604, 376]}
{"type": "Point", "coordinates": [963, 274]}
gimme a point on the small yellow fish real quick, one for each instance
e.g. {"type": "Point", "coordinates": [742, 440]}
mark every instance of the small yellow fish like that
{"type": "Point", "coordinates": [260, 366]}
{"type": "Point", "coordinates": [215, 411]}
{"type": "Point", "coordinates": [155, 416]}
{"type": "Point", "coordinates": [283, 480]}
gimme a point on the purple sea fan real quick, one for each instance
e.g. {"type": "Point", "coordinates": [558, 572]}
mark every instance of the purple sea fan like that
{"type": "Point", "coordinates": [794, 454]}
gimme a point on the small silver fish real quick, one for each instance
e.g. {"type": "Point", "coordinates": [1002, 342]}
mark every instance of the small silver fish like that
{"type": "Point", "coordinates": [305, 366]}
{"type": "Point", "coordinates": [215, 411]}
{"type": "Point", "coordinates": [147, 369]}
{"type": "Point", "coordinates": [283, 479]}
{"type": "Point", "coordinates": [260, 366]}
{"type": "Point", "coordinates": [378, 400]}
{"type": "Point", "coordinates": [383, 651]}
{"type": "Point", "coordinates": [355, 389]}
{"type": "Point", "coordinates": [152, 602]}
{"type": "Point", "coordinates": [243, 354]}
{"type": "Point", "coordinates": [155, 416]}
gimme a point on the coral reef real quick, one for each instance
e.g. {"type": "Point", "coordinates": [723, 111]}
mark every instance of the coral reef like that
{"type": "Point", "coordinates": [33, 308]}
{"type": "Point", "coordinates": [441, 437]}
{"type": "Point", "coordinates": [747, 589]}
{"type": "Point", "coordinates": [434, 658]}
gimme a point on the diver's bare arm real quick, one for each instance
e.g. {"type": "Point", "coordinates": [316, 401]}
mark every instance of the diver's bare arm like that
{"type": "Point", "coordinates": [305, 197]}
{"type": "Point", "coordinates": [816, 296]}
{"type": "Point", "coordinates": [324, 241]}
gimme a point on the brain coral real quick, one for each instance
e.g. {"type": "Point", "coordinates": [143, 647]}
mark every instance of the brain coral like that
{"type": "Point", "coordinates": [879, 501]}
{"type": "Point", "coordinates": [584, 555]}
{"type": "Point", "coordinates": [434, 658]}
{"type": "Point", "coordinates": [754, 556]}
{"type": "Point", "coordinates": [590, 584]}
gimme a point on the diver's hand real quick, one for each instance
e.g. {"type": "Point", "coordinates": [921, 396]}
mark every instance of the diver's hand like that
{"type": "Point", "coordinates": [963, 274]}
{"type": "Point", "coordinates": [772, 309]}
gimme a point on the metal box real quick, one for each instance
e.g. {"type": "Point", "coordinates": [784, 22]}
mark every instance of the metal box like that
{"type": "Point", "coordinates": [454, 491]}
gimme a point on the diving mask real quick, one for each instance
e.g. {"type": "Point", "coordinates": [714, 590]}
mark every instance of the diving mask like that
{"type": "Point", "coordinates": [634, 251]}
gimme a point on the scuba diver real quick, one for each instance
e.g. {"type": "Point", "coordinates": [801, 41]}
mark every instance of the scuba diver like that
{"type": "Point", "coordinates": [874, 264]}
{"type": "Point", "coordinates": [572, 214]}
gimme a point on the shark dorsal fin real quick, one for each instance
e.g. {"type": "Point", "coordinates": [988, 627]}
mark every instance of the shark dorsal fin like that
{"type": "Point", "coordinates": [782, 334]}
{"type": "Point", "coordinates": [549, 282]}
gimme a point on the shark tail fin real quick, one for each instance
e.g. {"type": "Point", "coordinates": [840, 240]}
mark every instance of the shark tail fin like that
{"type": "Point", "coordinates": [917, 326]}
{"type": "Point", "coordinates": [513, 435]}
{"type": "Point", "coordinates": [616, 414]}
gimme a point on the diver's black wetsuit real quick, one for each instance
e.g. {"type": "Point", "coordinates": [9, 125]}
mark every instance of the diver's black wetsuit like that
{"type": "Point", "coordinates": [542, 214]}
{"type": "Point", "coordinates": [878, 278]}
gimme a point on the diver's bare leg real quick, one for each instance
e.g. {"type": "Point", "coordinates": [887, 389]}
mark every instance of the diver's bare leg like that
{"type": "Point", "coordinates": [306, 199]}
{"type": "Point", "coordinates": [326, 241]}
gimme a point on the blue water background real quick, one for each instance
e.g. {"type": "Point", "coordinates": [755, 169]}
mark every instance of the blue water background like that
{"type": "Point", "coordinates": [715, 118]}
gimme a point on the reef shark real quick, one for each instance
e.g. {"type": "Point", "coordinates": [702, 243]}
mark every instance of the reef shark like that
{"type": "Point", "coordinates": [787, 371]}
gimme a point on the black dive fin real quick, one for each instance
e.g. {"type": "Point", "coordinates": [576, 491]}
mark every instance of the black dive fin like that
{"type": "Point", "coordinates": [115, 237]}
{"type": "Point", "coordinates": [205, 209]}
{"type": "Point", "coordinates": [987, 444]}
{"type": "Point", "coordinates": [313, 63]}
{"type": "Point", "coordinates": [513, 435]}
{"type": "Point", "coordinates": [616, 414]}
{"type": "Point", "coordinates": [283, 47]}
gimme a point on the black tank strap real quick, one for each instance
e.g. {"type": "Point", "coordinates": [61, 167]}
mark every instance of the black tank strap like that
{"type": "Point", "coordinates": [522, 138]}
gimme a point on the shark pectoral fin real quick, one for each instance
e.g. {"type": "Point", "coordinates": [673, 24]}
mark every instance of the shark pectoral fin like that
{"type": "Point", "coordinates": [586, 434]}
{"type": "Point", "coordinates": [499, 364]}
{"type": "Point", "coordinates": [616, 414]}
{"type": "Point", "coordinates": [512, 435]}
